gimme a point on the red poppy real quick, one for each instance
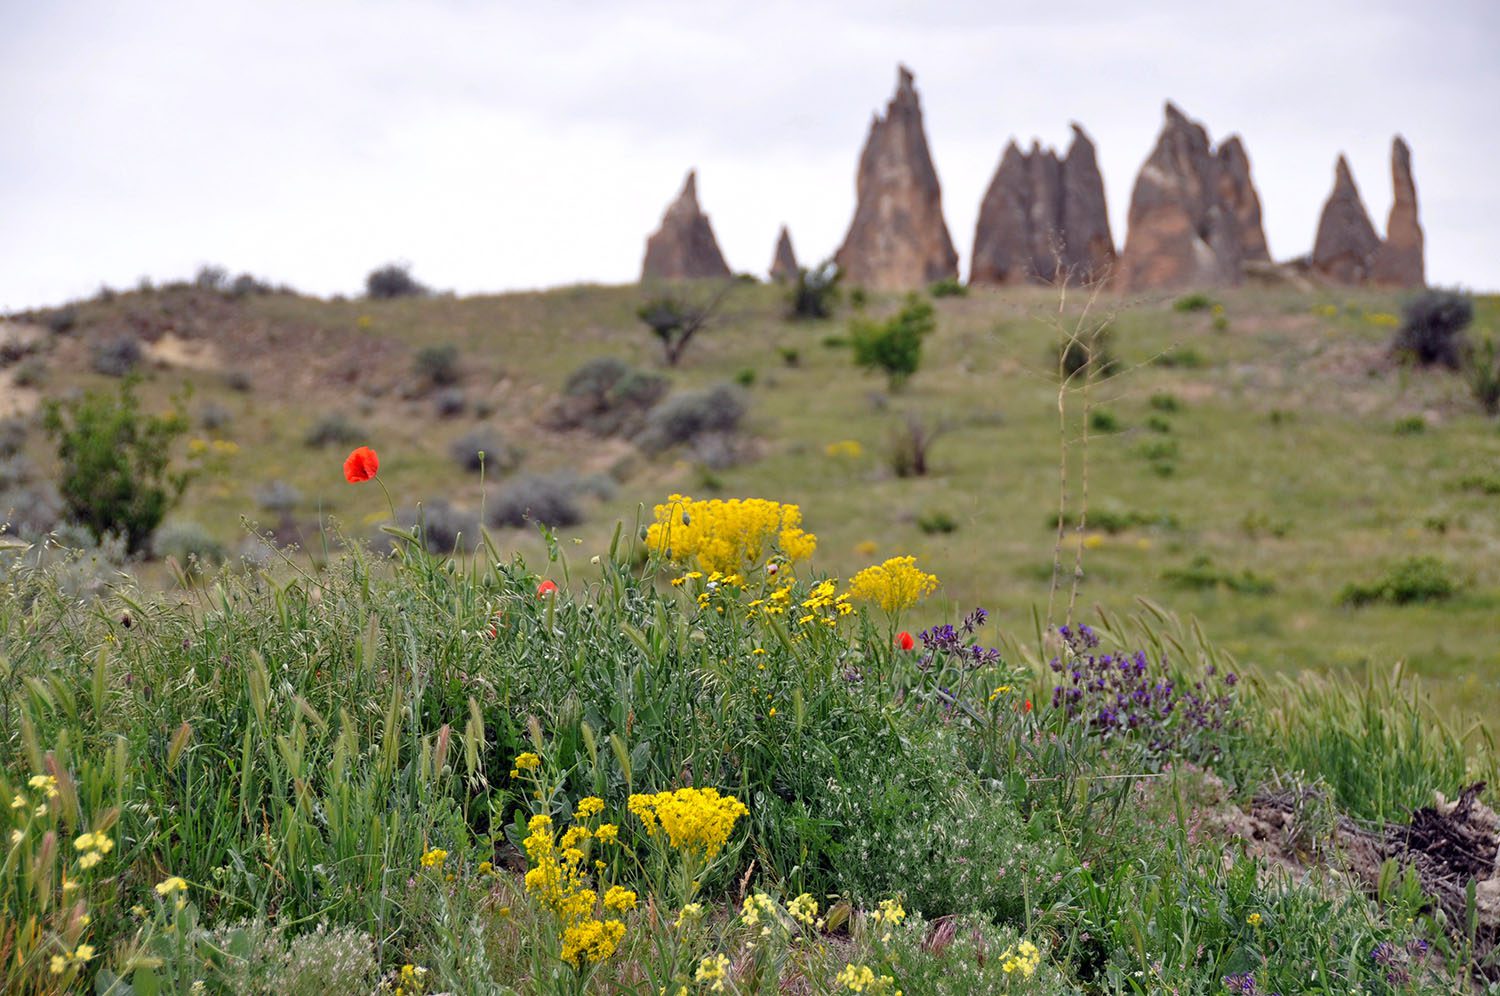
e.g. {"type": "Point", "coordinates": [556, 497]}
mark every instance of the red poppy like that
{"type": "Point", "coordinates": [1028, 706]}
{"type": "Point", "coordinates": [545, 588]}
{"type": "Point", "coordinates": [904, 640]}
{"type": "Point", "coordinates": [361, 465]}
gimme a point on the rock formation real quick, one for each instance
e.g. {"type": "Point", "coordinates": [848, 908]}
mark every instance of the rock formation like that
{"type": "Point", "coordinates": [1345, 248]}
{"type": "Point", "coordinates": [1043, 219]}
{"type": "Point", "coordinates": [684, 247]}
{"type": "Point", "coordinates": [1194, 214]}
{"type": "Point", "coordinates": [784, 263]}
{"type": "Point", "coordinates": [897, 240]}
{"type": "Point", "coordinates": [1399, 263]}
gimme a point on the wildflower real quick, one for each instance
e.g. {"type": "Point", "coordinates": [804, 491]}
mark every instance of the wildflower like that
{"type": "Point", "coordinates": [171, 884]}
{"type": "Point", "coordinates": [1023, 957]}
{"type": "Point", "coordinates": [608, 833]}
{"type": "Point", "coordinates": [591, 940]}
{"type": "Point", "coordinates": [590, 805]}
{"type": "Point", "coordinates": [411, 980]}
{"type": "Point", "coordinates": [94, 842]}
{"type": "Point", "coordinates": [83, 952]}
{"type": "Point", "coordinates": [361, 465]}
{"type": "Point", "coordinates": [894, 585]}
{"type": "Point", "coordinates": [546, 588]}
{"type": "Point", "coordinates": [758, 910]}
{"type": "Point", "coordinates": [526, 762]}
{"type": "Point", "coordinates": [618, 899]}
{"type": "Point", "coordinates": [904, 640]}
{"type": "Point", "coordinates": [1253, 919]}
{"type": "Point", "coordinates": [804, 909]}
{"type": "Point", "coordinates": [59, 964]}
{"type": "Point", "coordinates": [890, 914]}
{"type": "Point", "coordinates": [19, 802]}
{"type": "Point", "coordinates": [16, 837]}
{"type": "Point", "coordinates": [694, 820]}
{"type": "Point", "coordinates": [861, 978]}
{"type": "Point", "coordinates": [434, 858]}
{"type": "Point", "coordinates": [728, 535]}
{"type": "Point", "coordinates": [45, 783]}
{"type": "Point", "coordinates": [90, 859]}
{"type": "Point", "coordinates": [712, 970]}
{"type": "Point", "coordinates": [486, 868]}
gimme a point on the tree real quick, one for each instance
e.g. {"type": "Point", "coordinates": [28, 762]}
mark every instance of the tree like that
{"type": "Point", "coordinates": [894, 346]}
{"type": "Point", "coordinates": [675, 318]}
{"type": "Point", "coordinates": [116, 468]}
{"type": "Point", "coordinates": [815, 293]}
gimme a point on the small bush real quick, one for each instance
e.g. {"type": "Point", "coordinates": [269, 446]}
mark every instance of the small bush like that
{"type": "Point", "coordinates": [189, 544]}
{"type": "Point", "coordinates": [1202, 575]}
{"type": "Point", "coordinates": [1088, 352]}
{"type": "Point", "coordinates": [1196, 301]}
{"type": "Point", "coordinates": [1166, 402]}
{"type": "Point", "coordinates": [676, 320]}
{"type": "Point", "coordinates": [687, 416]}
{"type": "Point", "coordinates": [745, 377]}
{"type": "Point", "coordinates": [278, 496]}
{"type": "Point", "coordinates": [211, 278]}
{"type": "Point", "coordinates": [249, 285]}
{"type": "Point", "coordinates": [334, 430]}
{"type": "Point", "coordinates": [607, 397]}
{"type": "Point", "coordinates": [1485, 484]}
{"type": "Point", "coordinates": [437, 365]}
{"type": "Point", "coordinates": [894, 346]}
{"type": "Point", "coordinates": [213, 416]}
{"type": "Point", "coordinates": [392, 281]}
{"type": "Point", "coordinates": [789, 356]}
{"type": "Point", "coordinates": [858, 298]}
{"type": "Point", "coordinates": [937, 522]}
{"type": "Point", "coordinates": [117, 356]}
{"type": "Point", "coordinates": [1157, 423]}
{"type": "Point", "coordinates": [60, 321]}
{"type": "Point", "coordinates": [499, 456]}
{"type": "Point", "coordinates": [1160, 449]}
{"type": "Point", "coordinates": [1180, 359]}
{"type": "Point", "coordinates": [834, 342]}
{"type": "Point", "coordinates": [948, 287]}
{"type": "Point", "coordinates": [1115, 521]}
{"type": "Point", "coordinates": [30, 372]}
{"type": "Point", "coordinates": [1221, 323]}
{"type": "Point", "coordinates": [30, 509]}
{"type": "Point", "coordinates": [1414, 580]}
{"type": "Point", "coordinates": [450, 402]}
{"type": "Point", "coordinates": [910, 446]}
{"type": "Point", "coordinates": [1482, 367]}
{"type": "Point", "coordinates": [815, 293]}
{"type": "Point", "coordinates": [1432, 326]}
{"type": "Point", "coordinates": [1411, 425]}
{"type": "Point", "coordinates": [238, 381]}
{"type": "Point", "coordinates": [13, 433]}
{"type": "Point", "coordinates": [1104, 420]}
{"type": "Point", "coordinates": [439, 526]}
{"type": "Point", "coordinates": [536, 498]}
{"type": "Point", "coordinates": [1258, 524]}
{"type": "Point", "coordinates": [117, 475]}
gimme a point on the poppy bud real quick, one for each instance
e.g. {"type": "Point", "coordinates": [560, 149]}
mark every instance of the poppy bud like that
{"type": "Point", "coordinates": [546, 588]}
{"type": "Point", "coordinates": [904, 640]}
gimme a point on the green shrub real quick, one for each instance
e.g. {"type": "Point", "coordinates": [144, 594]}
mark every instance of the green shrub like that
{"type": "Point", "coordinates": [816, 292]}
{"type": "Point", "coordinates": [1164, 401]}
{"type": "Point", "coordinates": [1196, 301]}
{"type": "Point", "coordinates": [607, 396]}
{"type": "Point", "coordinates": [117, 473]}
{"type": "Point", "coordinates": [937, 522]}
{"type": "Point", "coordinates": [909, 447]}
{"type": "Point", "coordinates": [334, 429]}
{"type": "Point", "coordinates": [676, 320]}
{"type": "Point", "coordinates": [450, 402]}
{"type": "Point", "coordinates": [790, 356]}
{"type": "Point", "coordinates": [190, 544]}
{"type": "Point", "coordinates": [1183, 359]}
{"type": "Point", "coordinates": [1114, 521]}
{"type": "Point", "coordinates": [117, 356]}
{"type": "Point", "coordinates": [533, 498]}
{"type": "Point", "coordinates": [1485, 484]}
{"type": "Point", "coordinates": [690, 415]}
{"type": "Point", "coordinates": [858, 299]}
{"type": "Point", "coordinates": [1202, 575]}
{"type": "Point", "coordinates": [894, 346]}
{"type": "Point", "coordinates": [1158, 423]}
{"type": "Point", "coordinates": [1104, 420]}
{"type": "Point", "coordinates": [745, 377]}
{"type": "Point", "coordinates": [437, 365]}
{"type": "Point", "coordinates": [1432, 327]}
{"type": "Point", "coordinates": [392, 281]}
{"type": "Point", "coordinates": [1482, 367]}
{"type": "Point", "coordinates": [485, 448]}
{"type": "Point", "coordinates": [1087, 352]}
{"type": "Point", "coordinates": [1410, 425]}
{"type": "Point", "coordinates": [948, 287]}
{"type": "Point", "coordinates": [1221, 323]}
{"type": "Point", "coordinates": [1412, 581]}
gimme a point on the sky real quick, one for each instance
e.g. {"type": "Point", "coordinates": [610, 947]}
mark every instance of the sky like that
{"type": "Point", "coordinates": [501, 146]}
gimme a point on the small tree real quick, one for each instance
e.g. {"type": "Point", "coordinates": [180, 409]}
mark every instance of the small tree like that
{"type": "Point", "coordinates": [1432, 326]}
{"type": "Point", "coordinates": [675, 319]}
{"type": "Point", "coordinates": [116, 468]}
{"type": "Point", "coordinates": [815, 293]}
{"type": "Point", "coordinates": [893, 346]}
{"type": "Point", "coordinates": [393, 280]}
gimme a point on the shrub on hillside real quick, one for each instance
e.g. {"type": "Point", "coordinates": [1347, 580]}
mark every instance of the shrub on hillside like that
{"type": "Point", "coordinates": [117, 473]}
{"type": "Point", "coordinates": [116, 356]}
{"type": "Point", "coordinates": [334, 429]}
{"type": "Point", "coordinates": [60, 321]}
{"type": "Point", "coordinates": [213, 416]}
{"type": "Point", "coordinates": [909, 448]}
{"type": "Point", "coordinates": [1413, 580]}
{"type": "Point", "coordinates": [606, 396]}
{"type": "Point", "coordinates": [437, 366]}
{"type": "Point", "coordinates": [450, 402]}
{"type": "Point", "coordinates": [440, 527]}
{"type": "Point", "coordinates": [1432, 326]}
{"type": "Point", "coordinates": [948, 287]}
{"type": "Point", "coordinates": [278, 497]}
{"type": "Point", "coordinates": [1088, 353]}
{"type": "Point", "coordinates": [532, 498]}
{"type": "Point", "coordinates": [1196, 301]}
{"type": "Point", "coordinates": [13, 433]}
{"type": "Point", "coordinates": [499, 456]}
{"type": "Point", "coordinates": [190, 544]}
{"type": "Point", "coordinates": [894, 346]}
{"type": "Point", "coordinates": [1483, 371]}
{"type": "Point", "coordinates": [29, 509]}
{"type": "Point", "coordinates": [815, 294]}
{"type": "Point", "coordinates": [1202, 575]}
{"type": "Point", "coordinates": [692, 415]}
{"type": "Point", "coordinates": [391, 281]}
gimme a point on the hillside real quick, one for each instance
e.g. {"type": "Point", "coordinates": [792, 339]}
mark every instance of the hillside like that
{"type": "Point", "coordinates": [1252, 471]}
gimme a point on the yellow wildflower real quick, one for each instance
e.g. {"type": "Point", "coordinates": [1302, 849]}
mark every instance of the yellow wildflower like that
{"type": "Point", "coordinates": [608, 833]}
{"type": "Point", "coordinates": [804, 909]}
{"type": "Point", "coordinates": [590, 805]}
{"type": "Point", "coordinates": [1023, 957]}
{"type": "Point", "coordinates": [694, 820]}
{"type": "Point", "coordinates": [1253, 919]}
{"type": "Point", "coordinates": [861, 978]}
{"type": "Point", "coordinates": [894, 585]}
{"type": "Point", "coordinates": [591, 941]}
{"type": "Point", "coordinates": [434, 858]}
{"type": "Point", "coordinates": [713, 969]}
{"type": "Point", "coordinates": [171, 884]}
{"type": "Point", "coordinates": [90, 859]}
{"type": "Point", "coordinates": [618, 899]}
{"type": "Point", "coordinates": [691, 913]}
{"type": "Point", "coordinates": [727, 535]}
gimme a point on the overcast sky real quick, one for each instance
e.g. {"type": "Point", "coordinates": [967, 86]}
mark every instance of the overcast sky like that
{"type": "Point", "coordinates": [497, 146]}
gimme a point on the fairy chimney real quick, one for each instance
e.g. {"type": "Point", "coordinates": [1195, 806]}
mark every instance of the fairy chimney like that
{"type": "Point", "coordinates": [784, 263]}
{"type": "Point", "coordinates": [898, 239]}
{"type": "Point", "coordinates": [1043, 219]}
{"type": "Point", "coordinates": [1194, 214]}
{"type": "Point", "coordinates": [684, 247]}
{"type": "Point", "coordinates": [1345, 249]}
{"type": "Point", "coordinates": [1399, 263]}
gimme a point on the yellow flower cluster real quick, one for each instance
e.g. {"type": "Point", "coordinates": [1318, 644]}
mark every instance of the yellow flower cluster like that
{"type": "Point", "coordinates": [558, 877]}
{"type": "Point", "coordinates": [713, 970]}
{"type": "Point", "coordinates": [759, 910]}
{"type": "Point", "coordinates": [696, 821]}
{"type": "Point", "coordinates": [890, 914]}
{"type": "Point", "coordinates": [1023, 957]}
{"type": "Point", "coordinates": [79, 955]}
{"type": "Point", "coordinates": [411, 980]}
{"type": "Point", "coordinates": [526, 762]}
{"type": "Point", "coordinates": [862, 979]}
{"type": "Point", "coordinates": [848, 448]}
{"type": "Point", "coordinates": [94, 847]}
{"type": "Point", "coordinates": [434, 858]}
{"type": "Point", "coordinates": [823, 605]}
{"type": "Point", "coordinates": [804, 909]}
{"type": "Point", "coordinates": [728, 535]}
{"type": "Point", "coordinates": [894, 585]}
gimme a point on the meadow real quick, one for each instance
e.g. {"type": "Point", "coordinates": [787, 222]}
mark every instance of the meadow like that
{"type": "Point", "coordinates": [686, 746]}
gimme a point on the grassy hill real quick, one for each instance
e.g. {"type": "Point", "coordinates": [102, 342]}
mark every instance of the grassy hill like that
{"type": "Point", "coordinates": [1246, 463]}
